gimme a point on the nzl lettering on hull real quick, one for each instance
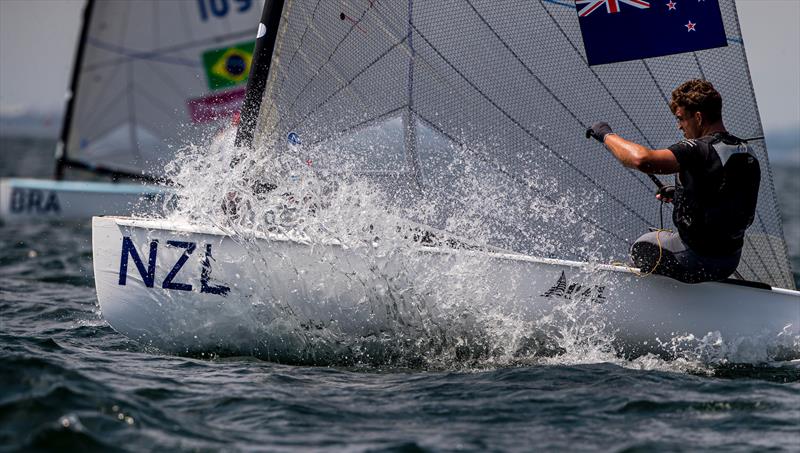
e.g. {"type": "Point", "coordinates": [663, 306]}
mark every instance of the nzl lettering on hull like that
{"type": "Point", "coordinates": [170, 282]}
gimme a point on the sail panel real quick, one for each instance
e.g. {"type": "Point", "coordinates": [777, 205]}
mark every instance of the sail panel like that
{"type": "Point", "coordinates": [156, 75]}
{"type": "Point", "coordinates": [495, 98]}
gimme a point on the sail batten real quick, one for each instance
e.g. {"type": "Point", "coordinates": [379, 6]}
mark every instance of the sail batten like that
{"type": "Point", "coordinates": [502, 90]}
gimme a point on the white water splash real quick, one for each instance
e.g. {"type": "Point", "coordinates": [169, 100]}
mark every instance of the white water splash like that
{"type": "Point", "coordinates": [447, 317]}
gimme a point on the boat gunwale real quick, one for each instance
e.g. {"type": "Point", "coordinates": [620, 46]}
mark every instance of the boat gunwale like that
{"type": "Point", "coordinates": [169, 225]}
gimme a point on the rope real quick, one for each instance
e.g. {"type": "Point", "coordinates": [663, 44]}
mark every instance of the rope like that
{"type": "Point", "coordinates": [638, 272]}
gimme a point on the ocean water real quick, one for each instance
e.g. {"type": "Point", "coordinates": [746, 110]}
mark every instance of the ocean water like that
{"type": "Point", "coordinates": [70, 382]}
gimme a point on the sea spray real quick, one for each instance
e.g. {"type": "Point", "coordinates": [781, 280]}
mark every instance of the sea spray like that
{"type": "Point", "coordinates": [366, 250]}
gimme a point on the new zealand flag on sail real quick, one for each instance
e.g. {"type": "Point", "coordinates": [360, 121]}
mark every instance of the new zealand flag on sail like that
{"type": "Point", "coordinates": [622, 30]}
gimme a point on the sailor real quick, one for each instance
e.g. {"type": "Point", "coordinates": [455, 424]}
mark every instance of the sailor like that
{"type": "Point", "coordinates": [715, 191]}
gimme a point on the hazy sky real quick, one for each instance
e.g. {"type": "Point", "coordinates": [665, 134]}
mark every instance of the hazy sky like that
{"type": "Point", "coordinates": [39, 36]}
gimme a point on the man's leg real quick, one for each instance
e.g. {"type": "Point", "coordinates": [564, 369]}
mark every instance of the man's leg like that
{"type": "Point", "coordinates": [679, 261]}
{"type": "Point", "coordinates": [657, 252]}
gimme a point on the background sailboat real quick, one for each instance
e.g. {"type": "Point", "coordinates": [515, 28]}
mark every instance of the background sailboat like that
{"type": "Point", "coordinates": [149, 77]}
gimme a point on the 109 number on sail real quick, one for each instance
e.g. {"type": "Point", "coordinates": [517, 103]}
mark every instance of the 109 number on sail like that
{"type": "Point", "coordinates": [221, 8]}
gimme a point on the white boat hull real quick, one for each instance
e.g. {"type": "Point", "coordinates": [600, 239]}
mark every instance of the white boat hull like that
{"type": "Point", "coordinates": [185, 289]}
{"type": "Point", "coordinates": [25, 200]}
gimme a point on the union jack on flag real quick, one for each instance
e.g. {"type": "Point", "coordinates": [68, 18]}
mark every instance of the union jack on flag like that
{"type": "Point", "coordinates": [612, 6]}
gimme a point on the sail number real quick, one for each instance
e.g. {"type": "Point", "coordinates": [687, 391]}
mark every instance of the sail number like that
{"type": "Point", "coordinates": [221, 8]}
{"type": "Point", "coordinates": [170, 282]}
{"type": "Point", "coordinates": [34, 201]}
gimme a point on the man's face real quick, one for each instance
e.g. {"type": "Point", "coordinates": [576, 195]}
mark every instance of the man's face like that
{"type": "Point", "coordinates": [688, 122]}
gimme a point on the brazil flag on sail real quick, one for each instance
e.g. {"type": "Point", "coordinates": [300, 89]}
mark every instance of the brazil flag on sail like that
{"type": "Point", "coordinates": [228, 67]}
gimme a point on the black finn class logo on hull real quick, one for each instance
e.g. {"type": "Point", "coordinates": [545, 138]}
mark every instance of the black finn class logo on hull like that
{"type": "Point", "coordinates": [576, 291]}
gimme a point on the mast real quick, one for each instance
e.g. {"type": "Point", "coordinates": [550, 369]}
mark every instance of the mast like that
{"type": "Point", "coordinates": [61, 148]}
{"type": "Point", "coordinates": [259, 71]}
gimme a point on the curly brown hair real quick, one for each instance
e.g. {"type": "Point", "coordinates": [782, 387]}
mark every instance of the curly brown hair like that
{"type": "Point", "coordinates": [698, 96]}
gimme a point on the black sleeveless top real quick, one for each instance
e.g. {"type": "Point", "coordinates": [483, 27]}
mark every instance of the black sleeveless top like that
{"type": "Point", "coordinates": [716, 191]}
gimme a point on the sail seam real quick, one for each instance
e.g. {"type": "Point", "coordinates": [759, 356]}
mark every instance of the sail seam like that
{"type": "Point", "coordinates": [150, 55]}
{"type": "Point", "coordinates": [348, 83]}
{"type": "Point", "coordinates": [319, 69]}
{"type": "Point", "coordinates": [130, 54]}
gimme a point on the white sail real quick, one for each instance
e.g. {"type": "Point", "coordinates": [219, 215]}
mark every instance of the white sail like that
{"type": "Point", "coordinates": [500, 93]}
{"type": "Point", "coordinates": [153, 75]}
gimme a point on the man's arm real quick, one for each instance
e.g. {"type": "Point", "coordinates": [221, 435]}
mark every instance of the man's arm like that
{"type": "Point", "coordinates": [634, 155]}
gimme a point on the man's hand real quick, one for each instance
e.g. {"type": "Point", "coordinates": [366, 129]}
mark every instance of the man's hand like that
{"type": "Point", "coordinates": [666, 194]}
{"type": "Point", "coordinates": [599, 131]}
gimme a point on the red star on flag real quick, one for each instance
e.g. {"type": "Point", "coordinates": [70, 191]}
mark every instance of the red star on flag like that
{"type": "Point", "coordinates": [671, 5]}
{"type": "Point", "coordinates": [690, 26]}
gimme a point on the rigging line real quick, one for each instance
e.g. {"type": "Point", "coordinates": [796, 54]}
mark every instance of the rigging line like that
{"type": "Point", "coordinates": [527, 131]}
{"type": "Point", "coordinates": [515, 178]}
{"type": "Point", "coordinates": [330, 57]}
{"type": "Point", "coordinates": [340, 89]}
{"type": "Point", "coordinates": [542, 84]}
{"type": "Point", "coordinates": [171, 49]}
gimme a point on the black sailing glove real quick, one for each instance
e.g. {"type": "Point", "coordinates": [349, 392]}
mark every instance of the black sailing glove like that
{"type": "Point", "coordinates": [666, 194]}
{"type": "Point", "coordinates": [599, 131]}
